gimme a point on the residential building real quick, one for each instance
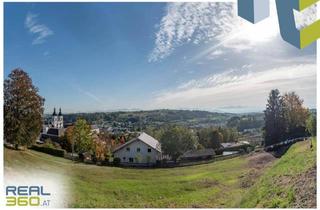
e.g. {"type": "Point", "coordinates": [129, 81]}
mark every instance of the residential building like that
{"type": "Point", "coordinates": [196, 155]}
{"type": "Point", "coordinates": [143, 150]}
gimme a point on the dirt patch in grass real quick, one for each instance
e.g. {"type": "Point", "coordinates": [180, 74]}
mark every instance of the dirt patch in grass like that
{"type": "Point", "coordinates": [305, 189]}
{"type": "Point", "coordinates": [260, 160]}
{"type": "Point", "coordinates": [300, 190]}
{"type": "Point", "coordinates": [257, 162]}
{"type": "Point", "coordinates": [206, 183]}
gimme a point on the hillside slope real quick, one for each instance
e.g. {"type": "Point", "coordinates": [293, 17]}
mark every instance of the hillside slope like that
{"type": "Point", "coordinates": [216, 184]}
{"type": "Point", "coordinates": [290, 182]}
{"type": "Point", "coordinates": [254, 180]}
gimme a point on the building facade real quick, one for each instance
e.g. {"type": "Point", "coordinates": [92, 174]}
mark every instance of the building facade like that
{"type": "Point", "coordinates": [143, 150]}
{"type": "Point", "coordinates": [57, 119]}
{"type": "Point", "coordinates": [54, 129]}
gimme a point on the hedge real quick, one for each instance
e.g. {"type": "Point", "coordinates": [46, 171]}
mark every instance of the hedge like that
{"type": "Point", "coordinates": [50, 151]}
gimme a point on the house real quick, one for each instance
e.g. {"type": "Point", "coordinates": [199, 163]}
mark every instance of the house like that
{"type": "Point", "coordinates": [94, 129]}
{"type": "Point", "coordinates": [235, 146]}
{"type": "Point", "coordinates": [228, 145]}
{"type": "Point", "coordinates": [143, 150]}
{"type": "Point", "coordinates": [196, 155]}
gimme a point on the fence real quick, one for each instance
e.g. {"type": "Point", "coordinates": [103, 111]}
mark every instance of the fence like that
{"type": "Point", "coordinates": [214, 159]}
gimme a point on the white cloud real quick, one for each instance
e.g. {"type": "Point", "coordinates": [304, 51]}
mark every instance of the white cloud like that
{"type": "Point", "coordinates": [246, 88]}
{"type": "Point", "coordinates": [217, 25]}
{"type": "Point", "coordinates": [216, 54]}
{"type": "Point", "coordinates": [40, 31]}
{"type": "Point", "coordinates": [189, 22]}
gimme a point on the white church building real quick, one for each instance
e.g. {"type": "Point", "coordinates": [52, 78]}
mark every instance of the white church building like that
{"type": "Point", "coordinates": [57, 119]}
{"type": "Point", "coordinates": [54, 129]}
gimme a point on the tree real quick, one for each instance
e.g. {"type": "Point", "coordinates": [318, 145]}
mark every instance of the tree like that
{"type": "Point", "coordinates": [210, 138]}
{"type": "Point", "coordinates": [234, 135]}
{"type": "Point", "coordinates": [295, 115]}
{"type": "Point", "coordinates": [311, 125]}
{"type": "Point", "coordinates": [274, 129]}
{"type": "Point", "coordinates": [177, 140]}
{"type": "Point", "coordinates": [103, 145]}
{"type": "Point", "coordinates": [234, 122]}
{"type": "Point", "coordinates": [100, 148]}
{"type": "Point", "coordinates": [228, 134]}
{"type": "Point", "coordinates": [67, 139]}
{"type": "Point", "coordinates": [23, 109]}
{"type": "Point", "coordinates": [216, 138]}
{"type": "Point", "coordinates": [82, 136]}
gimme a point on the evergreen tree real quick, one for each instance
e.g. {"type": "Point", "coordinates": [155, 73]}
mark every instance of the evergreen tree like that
{"type": "Point", "coordinates": [274, 129]}
{"type": "Point", "coordinates": [23, 109]}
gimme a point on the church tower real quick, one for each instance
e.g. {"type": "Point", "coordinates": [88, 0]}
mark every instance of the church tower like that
{"type": "Point", "coordinates": [57, 120]}
{"type": "Point", "coordinates": [60, 119]}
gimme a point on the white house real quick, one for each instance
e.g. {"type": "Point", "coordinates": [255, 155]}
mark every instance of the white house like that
{"type": "Point", "coordinates": [141, 150]}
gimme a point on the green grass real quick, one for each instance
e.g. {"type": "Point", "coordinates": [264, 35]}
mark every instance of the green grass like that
{"type": "Point", "coordinates": [274, 188]}
{"type": "Point", "coordinates": [209, 185]}
{"type": "Point", "coordinates": [216, 184]}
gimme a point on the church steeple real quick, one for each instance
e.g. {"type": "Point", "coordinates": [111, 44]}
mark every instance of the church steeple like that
{"type": "Point", "coordinates": [57, 119]}
{"type": "Point", "coordinates": [54, 112]}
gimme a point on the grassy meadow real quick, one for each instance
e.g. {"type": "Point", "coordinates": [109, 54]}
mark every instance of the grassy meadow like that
{"type": "Point", "coordinates": [218, 184]}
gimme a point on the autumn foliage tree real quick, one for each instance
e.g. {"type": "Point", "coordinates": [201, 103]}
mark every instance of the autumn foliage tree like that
{"type": "Point", "coordinates": [285, 117]}
{"type": "Point", "coordinates": [295, 115]}
{"type": "Point", "coordinates": [23, 109]}
{"type": "Point", "coordinates": [67, 139]}
{"type": "Point", "coordinates": [103, 144]}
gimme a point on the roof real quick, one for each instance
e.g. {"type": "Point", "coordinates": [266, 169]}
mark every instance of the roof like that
{"type": "Point", "coordinates": [60, 113]}
{"type": "Point", "coordinates": [233, 144]}
{"type": "Point", "coordinates": [225, 145]}
{"type": "Point", "coordinates": [198, 153]}
{"type": "Point", "coordinates": [54, 112]}
{"type": "Point", "coordinates": [147, 139]}
{"type": "Point", "coordinates": [94, 127]}
{"type": "Point", "coordinates": [55, 131]}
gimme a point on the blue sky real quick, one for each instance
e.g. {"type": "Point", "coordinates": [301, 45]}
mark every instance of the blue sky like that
{"type": "Point", "coordinates": [87, 57]}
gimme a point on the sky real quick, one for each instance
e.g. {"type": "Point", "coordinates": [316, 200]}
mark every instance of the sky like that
{"type": "Point", "coordinates": [88, 57]}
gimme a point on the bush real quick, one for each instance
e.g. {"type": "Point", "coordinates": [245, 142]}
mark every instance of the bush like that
{"type": "Point", "coordinates": [219, 151]}
{"type": "Point", "coordinates": [48, 143]}
{"type": "Point", "coordinates": [116, 161]}
{"type": "Point", "coordinates": [48, 150]}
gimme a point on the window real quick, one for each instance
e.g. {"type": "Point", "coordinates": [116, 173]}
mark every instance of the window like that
{"type": "Point", "coordinates": [149, 149]}
{"type": "Point", "coordinates": [124, 158]}
{"type": "Point", "coordinates": [131, 160]}
{"type": "Point", "coordinates": [138, 149]}
{"type": "Point", "coordinates": [128, 149]}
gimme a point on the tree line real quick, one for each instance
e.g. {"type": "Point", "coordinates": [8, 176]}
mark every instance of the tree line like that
{"type": "Point", "coordinates": [286, 117]}
{"type": "Point", "coordinates": [176, 140]}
